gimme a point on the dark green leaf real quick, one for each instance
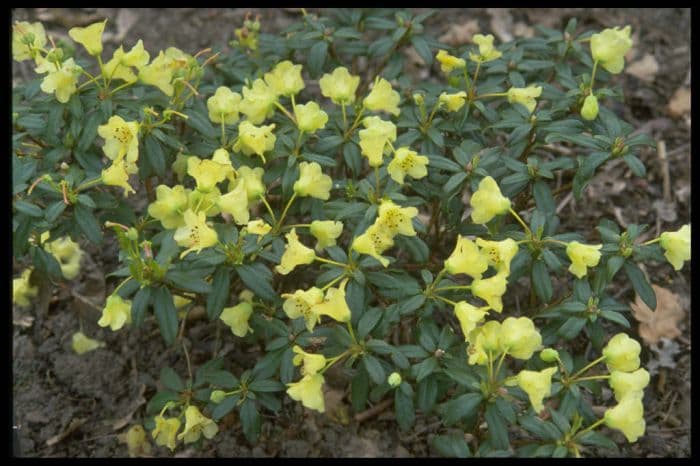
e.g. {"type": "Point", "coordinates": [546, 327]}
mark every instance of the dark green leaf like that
{"type": "Point", "coordinates": [423, 49]}
{"type": "Point", "coordinates": [87, 223]}
{"type": "Point", "coordinates": [139, 305]}
{"type": "Point", "coordinates": [359, 389]}
{"type": "Point", "coordinates": [571, 327]}
{"type": "Point", "coordinates": [257, 284]}
{"type": "Point", "coordinates": [640, 284]}
{"type": "Point", "coordinates": [451, 446]}
{"type": "Point", "coordinates": [317, 58]}
{"type": "Point", "coordinates": [250, 421]}
{"type": "Point", "coordinates": [186, 281]}
{"type": "Point", "coordinates": [159, 399]}
{"type": "Point", "coordinates": [374, 368]}
{"type": "Point", "coordinates": [28, 208]}
{"type": "Point", "coordinates": [403, 407]}
{"type": "Point", "coordinates": [166, 314]}
{"type": "Point", "coordinates": [498, 430]}
{"type": "Point", "coordinates": [541, 281]}
{"type": "Point", "coordinates": [225, 407]}
{"type": "Point", "coordinates": [461, 407]}
{"type": "Point", "coordinates": [425, 368]}
{"type": "Point", "coordinates": [200, 123]}
{"type": "Point", "coordinates": [267, 385]}
{"type": "Point", "coordinates": [220, 288]}
{"type": "Point", "coordinates": [171, 380]}
{"type": "Point", "coordinates": [154, 155]}
{"type": "Point", "coordinates": [615, 317]}
{"type": "Point", "coordinates": [368, 321]}
{"type": "Point", "coordinates": [426, 395]}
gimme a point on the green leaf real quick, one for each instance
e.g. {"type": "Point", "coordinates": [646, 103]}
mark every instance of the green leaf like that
{"type": "Point", "coordinates": [615, 317]}
{"type": "Point", "coordinates": [166, 314]}
{"type": "Point", "coordinates": [368, 321]}
{"type": "Point", "coordinates": [543, 197]}
{"type": "Point", "coordinates": [359, 389]}
{"type": "Point", "coordinates": [411, 304]}
{"type": "Point", "coordinates": [640, 284]}
{"type": "Point", "coordinates": [542, 429]}
{"type": "Point", "coordinates": [154, 155]}
{"type": "Point", "coordinates": [171, 380]}
{"type": "Point", "coordinates": [139, 305]}
{"type": "Point", "coordinates": [353, 160]}
{"type": "Point", "coordinates": [87, 223]}
{"type": "Point", "coordinates": [405, 412]}
{"type": "Point", "coordinates": [200, 123]}
{"type": "Point", "coordinates": [454, 182]}
{"type": "Point", "coordinates": [498, 430]}
{"type": "Point", "coordinates": [597, 439]}
{"type": "Point", "coordinates": [317, 58]}
{"type": "Point", "coordinates": [426, 395]}
{"type": "Point", "coordinates": [89, 133]}
{"type": "Point", "coordinates": [252, 279]}
{"type": "Point", "coordinates": [425, 368]}
{"type": "Point", "coordinates": [451, 446]}
{"type": "Point", "coordinates": [160, 399]}
{"type": "Point", "coordinates": [571, 327]}
{"type": "Point", "coordinates": [636, 165]}
{"type": "Point", "coordinates": [219, 378]}
{"type": "Point", "coordinates": [266, 385]}
{"type": "Point", "coordinates": [225, 407]}
{"type": "Point", "coordinates": [186, 281]}
{"type": "Point", "coordinates": [28, 208]}
{"type": "Point", "coordinates": [541, 281]}
{"type": "Point", "coordinates": [220, 289]}
{"type": "Point", "coordinates": [443, 163]}
{"type": "Point", "coordinates": [613, 265]}
{"type": "Point", "coordinates": [423, 49]}
{"type": "Point", "coordinates": [54, 210]}
{"type": "Point", "coordinates": [374, 368]}
{"type": "Point", "coordinates": [250, 421]}
{"type": "Point", "coordinates": [461, 407]}
{"type": "Point", "coordinates": [46, 263]}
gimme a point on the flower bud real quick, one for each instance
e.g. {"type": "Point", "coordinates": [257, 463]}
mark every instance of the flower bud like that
{"type": "Point", "coordinates": [394, 379]}
{"type": "Point", "coordinates": [549, 355]}
{"type": "Point", "coordinates": [589, 110]}
{"type": "Point", "coordinates": [217, 396]}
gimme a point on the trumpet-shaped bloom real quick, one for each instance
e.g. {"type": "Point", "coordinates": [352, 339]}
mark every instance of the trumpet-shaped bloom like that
{"type": "Point", "coordinates": [255, 139]}
{"type": "Point", "coordinates": [499, 253]}
{"type": "Point", "coordinates": [63, 81]}
{"type": "Point", "coordinates": [116, 313]}
{"type": "Point", "coordinates": [487, 51]}
{"type": "Point", "coordinates": [525, 96]}
{"type": "Point", "coordinates": [237, 317]}
{"type": "Point", "coordinates": [119, 67]}
{"type": "Point", "coordinates": [310, 117]}
{"type": "Point", "coordinates": [490, 290]}
{"type": "Point", "coordinates": [589, 109]}
{"type": "Point", "coordinates": [469, 316]}
{"type": "Point", "coordinates": [159, 73]}
{"type": "Point", "coordinates": [223, 105]}
{"type": "Point", "coordinates": [206, 172]}
{"type": "Point", "coordinates": [252, 179]}
{"type": "Point", "coordinates": [311, 363]}
{"type": "Point", "coordinates": [169, 205]}
{"type": "Point", "coordinates": [29, 37]}
{"type": "Point", "coordinates": [82, 344]}
{"type": "Point", "coordinates": [449, 62]}
{"type": "Point", "coordinates": [303, 304]}
{"type": "Point", "coordinates": [537, 385]}
{"type": "Point", "coordinates": [627, 417]}
{"type": "Point", "coordinates": [258, 227]}
{"type": "Point", "coordinates": [407, 162]}
{"type": "Point", "coordinates": [334, 304]}
{"type": "Point", "coordinates": [68, 254]}
{"type": "Point", "coordinates": [312, 182]}
{"type": "Point", "coordinates": [196, 425]}
{"type": "Point", "coordinates": [235, 203]}
{"type": "Point", "coordinates": [22, 291]}
{"type": "Point", "coordinates": [121, 139]}
{"type": "Point", "coordinates": [326, 232]}
{"type": "Point", "coordinates": [309, 391]}
{"type": "Point", "coordinates": [466, 258]}
{"type": "Point", "coordinates": [204, 201]}
{"type": "Point", "coordinates": [339, 86]}
{"type": "Point", "coordinates": [610, 46]}
{"type": "Point", "coordinates": [165, 431]}
{"type": "Point", "coordinates": [397, 219]}
{"type": "Point", "coordinates": [482, 341]}
{"type": "Point", "coordinates": [487, 201]}
{"type": "Point", "coordinates": [453, 102]}
{"type": "Point", "coordinates": [89, 37]}
{"type": "Point", "coordinates": [626, 384]}
{"type": "Point", "coordinates": [195, 234]}
{"type": "Point", "coordinates": [285, 79]}
{"type": "Point", "coordinates": [519, 337]}
{"type": "Point", "coordinates": [374, 242]}
{"type": "Point", "coordinates": [295, 253]}
{"type": "Point", "coordinates": [376, 138]}
{"type": "Point", "coordinates": [258, 102]}
{"type": "Point", "coordinates": [117, 175]}
{"type": "Point", "coordinates": [582, 256]}
{"type": "Point", "coordinates": [382, 98]}
{"type": "Point", "coordinates": [677, 246]}
{"type": "Point", "coordinates": [622, 353]}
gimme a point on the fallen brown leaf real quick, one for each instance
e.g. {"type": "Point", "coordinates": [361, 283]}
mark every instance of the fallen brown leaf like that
{"type": "Point", "coordinates": [460, 34]}
{"type": "Point", "coordinates": [501, 23]}
{"type": "Point", "coordinates": [679, 104]}
{"type": "Point", "coordinates": [662, 323]}
{"type": "Point", "coordinates": [645, 69]}
{"type": "Point", "coordinates": [72, 427]}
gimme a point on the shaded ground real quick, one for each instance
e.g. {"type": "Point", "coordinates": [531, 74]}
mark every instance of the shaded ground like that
{"type": "Point", "coordinates": [67, 405]}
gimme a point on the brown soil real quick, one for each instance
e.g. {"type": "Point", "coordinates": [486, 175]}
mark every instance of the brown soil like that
{"type": "Point", "coordinates": [68, 405]}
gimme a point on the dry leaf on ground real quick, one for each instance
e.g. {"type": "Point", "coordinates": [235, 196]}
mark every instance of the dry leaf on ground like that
{"type": "Point", "coordinates": [644, 69]}
{"type": "Point", "coordinates": [501, 23]}
{"type": "Point", "coordinates": [679, 104]}
{"type": "Point", "coordinates": [459, 34]}
{"type": "Point", "coordinates": [662, 323]}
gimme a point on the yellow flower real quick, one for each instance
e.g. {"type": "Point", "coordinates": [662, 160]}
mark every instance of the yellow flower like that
{"type": "Point", "coordinates": [487, 51]}
{"type": "Point", "coordinates": [27, 38]}
{"type": "Point", "coordinates": [235, 203]}
{"type": "Point", "coordinates": [195, 234]}
{"type": "Point", "coordinates": [610, 46]}
{"type": "Point", "coordinates": [237, 317]}
{"type": "Point", "coordinates": [582, 256]}
{"type": "Point", "coordinates": [258, 227]}
{"type": "Point", "coordinates": [22, 291]}
{"type": "Point", "coordinates": [449, 62]}
{"type": "Point", "coordinates": [309, 391]}
{"type": "Point", "coordinates": [499, 253]}
{"type": "Point", "coordinates": [258, 102]}
{"type": "Point", "coordinates": [326, 232]}
{"type": "Point", "coordinates": [677, 246]}
{"type": "Point", "coordinates": [119, 67]}
{"type": "Point", "coordinates": [302, 304]}
{"type": "Point", "coordinates": [159, 73]}
{"type": "Point", "coordinates": [376, 139]}
{"type": "Point", "coordinates": [396, 219]}
{"type": "Point", "coordinates": [206, 172]}
{"type": "Point", "coordinates": [165, 431]}
{"type": "Point", "coordinates": [223, 105]}
{"type": "Point", "coordinates": [89, 37]}
{"type": "Point", "coordinates": [223, 158]}
{"type": "Point", "coordinates": [82, 344]}
{"type": "Point", "coordinates": [487, 201]}
{"type": "Point", "coordinates": [622, 353]}
{"type": "Point", "coordinates": [63, 81]}
{"type": "Point", "coordinates": [334, 304]}
{"type": "Point", "coordinates": [407, 162]}
{"type": "Point", "coordinates": [466, 258]}
{"type": "Point", "coordinates": [116, 175]}
{"type": "Point", "coordinates": [252, 178]}
{"type": "Point", "coordinates": [469, 316]}
{"type": "Point", "coordinates": [255, 139]}
{"type": "Point", "coordinates": [116, 313]}
{"type": "Point", "coordinates": [482, 341]}
{"type": "Point", "coordinates": [311, 363]}
{"type": "Point", "coordinates": [519, 337]}
{"type": "Point", "coordinates": [180, 301]}
{"type": "Point", "coordinates": [537, 385]}
{"type": "Point", "coordinates": [525, 96]}
{"type": "Point", "coordinates": [310, 117]}
{"type": "Point", "coordinates": [383, 98]}
{"type": "Point", "coordinates": [453, 101]}
{"type": "Point", "coordinates": [589, 110]}
{"type": "Point", "coordinates": [339, 86]}
{"type": "Point", "coordinates": [169, 205]}
{"type": "Point", "coordinates": [490, 290]}
{"type": "Point", "coordinates": [394, 379]}
{"type": "Point", "coordinates": [373, 242]}
{"type": "Point", "coordinates": [247, 38]}
{"type": "Point", "coordinates": [285, 79]}
{"type": "Point", "coordinates": [121, 139]}
{"type": "Point", "coordinates": [201, 201]}
{"type": "Point", "coordinates": [136, 442]}
{"type": "Point", "coordinates": [627, 417]}
{"type": "Point", "coordinates": [197, 424]}
{"type": "Point", "coordinates": [626, 384]}
{"type": "Point", "coordinates": [179, 166]}
{"type": "Point", "coordinates": [295, 253]}
{"type": "Point", "coordinates": [312, 182]}
{"type": "Point", "coordinates": [68, 254]}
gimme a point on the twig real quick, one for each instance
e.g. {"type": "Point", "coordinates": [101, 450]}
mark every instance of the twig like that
{"type": "Point", "coordinates": [373, 411]}
{"type": "Point", "coordinates": [663, 159]}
